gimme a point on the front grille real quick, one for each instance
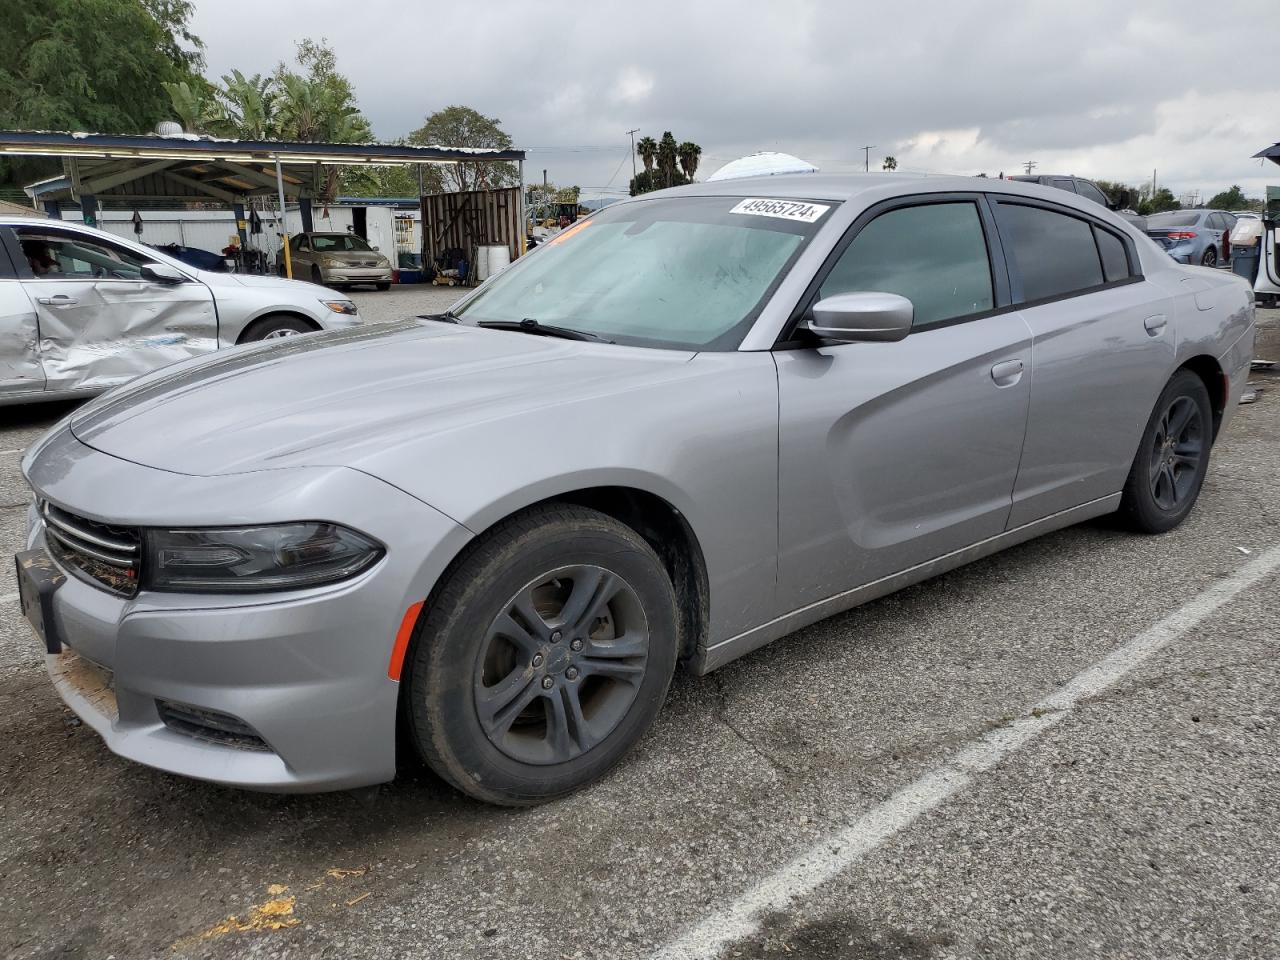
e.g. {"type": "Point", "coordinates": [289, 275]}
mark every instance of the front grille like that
{"type": "Point", "coordinates": [107, 556]}
{"type": "Point", "coordinates": [220, 728]}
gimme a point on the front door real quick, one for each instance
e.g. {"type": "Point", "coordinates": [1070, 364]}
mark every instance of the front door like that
{"type": "Point", "coordinates": [893, 454]}
{"type": "Point", "coordinates": [100, 322]}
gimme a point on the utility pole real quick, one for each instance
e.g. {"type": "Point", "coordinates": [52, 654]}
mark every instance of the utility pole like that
{"type": "Point", "coordinates": [1030, 165]}
{"type": "Point", "coordinates": [632, 135]}
{"type": "Point", "coordinates": [866, 157]}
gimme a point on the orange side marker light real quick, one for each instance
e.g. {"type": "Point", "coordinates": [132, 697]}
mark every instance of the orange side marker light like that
{"type": "Point", "coordinates": [402, 641]}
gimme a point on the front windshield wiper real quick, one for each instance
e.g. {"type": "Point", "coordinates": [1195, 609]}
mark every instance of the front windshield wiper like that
{"type": "Point", "coordinates": [530, 325]}
{"type": "Point", "coordinates": [447, 317]}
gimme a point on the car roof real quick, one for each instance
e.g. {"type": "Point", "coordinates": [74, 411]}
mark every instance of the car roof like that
{"type": "Point", "coordinates": [820, 186]}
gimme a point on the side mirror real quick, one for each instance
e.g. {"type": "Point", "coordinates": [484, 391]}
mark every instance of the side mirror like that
{"type": "Point", "coordinates": [854, 317]}
{"type": "Point", "coordinates": [162, 273]}
{"type": "Point", "coordinates": [375, 248]}
{"type": "Point", "coordinates": [1123, 203]}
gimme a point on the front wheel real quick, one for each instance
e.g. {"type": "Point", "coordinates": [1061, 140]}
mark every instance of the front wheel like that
{"type": "Point", "coordinates": [543, 658]}
{"type": "Point", "coordinates": [1172, 460]}
{"type": "Point", "coordinates": [274, 327]}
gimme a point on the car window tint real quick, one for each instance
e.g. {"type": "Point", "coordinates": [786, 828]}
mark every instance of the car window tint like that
{"type": "Point", "coordinates": [72, 256]}
{"type": "Point", "coordinates": [934, 255]}
{"type": "Point", "coordinates": [1115, 261]}
{"type": "Point", "coordinates": [1162, 221]}
{"type": "Point", "coordinates": [1063, 183]}
{"type": "Point", "coordinates": [1087, 189]}
{"type": "Point", "coordinates": [343, 242]}
{"type": "Point", "coordinates": [1055, 253]}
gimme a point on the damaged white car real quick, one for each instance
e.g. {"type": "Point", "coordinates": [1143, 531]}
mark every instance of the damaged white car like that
{"type": "Point", "coordinates": [82, 310]}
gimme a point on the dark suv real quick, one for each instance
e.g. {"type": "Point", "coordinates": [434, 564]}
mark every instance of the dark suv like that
{"type": "Point", "coordinates": [1086, 188]}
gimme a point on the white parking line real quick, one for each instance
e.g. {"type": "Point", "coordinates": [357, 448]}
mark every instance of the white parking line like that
{"type": "Point", "coordinates": [17, 450]}
{"type": "Point", "coordinates": [834, 853]}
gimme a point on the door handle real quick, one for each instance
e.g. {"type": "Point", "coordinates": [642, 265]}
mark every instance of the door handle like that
{"type": "Point", "coordinates": [61, 300]}
{"type": "Point", "coordinates": [1155, 325]}
{"type": "Point", "coordinates": [1007, 372]}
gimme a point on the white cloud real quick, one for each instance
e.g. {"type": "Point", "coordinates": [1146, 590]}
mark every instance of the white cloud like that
{"type": "Point", "coordinates": [1102, 89]}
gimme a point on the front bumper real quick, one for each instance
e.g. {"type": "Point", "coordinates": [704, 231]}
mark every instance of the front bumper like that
{"type": "Point", "coordinates": [305, 671]}
{"type": "Point", "coordinates": [357, 274]}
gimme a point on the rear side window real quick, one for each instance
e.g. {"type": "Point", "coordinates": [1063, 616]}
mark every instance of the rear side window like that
{"type": "Point", "coordinates": [1063, 183]}
{"type": "Point", "coordinates": [1055, 254]}
{"type": "Point", "coordinates": [934, 255]}
{"type": "Point", "coordinates": [1115, 261]}
{"type": "Point", "coordinates": [1087, 189]}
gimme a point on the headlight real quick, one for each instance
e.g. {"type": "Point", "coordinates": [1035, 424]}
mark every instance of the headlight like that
{"type": "Point", "coordinates": [341, 306]}
{"type": "Point", "coordinates": [284, 556]}
{"type": "Point", "coordinates": [331, 261]}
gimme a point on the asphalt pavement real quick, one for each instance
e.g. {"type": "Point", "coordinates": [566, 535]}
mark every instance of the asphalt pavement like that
{"type": "Point", "coordinates": [1068, 750]}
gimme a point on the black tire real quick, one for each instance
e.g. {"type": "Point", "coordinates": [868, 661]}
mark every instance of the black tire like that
{"type": "Point", "coordinates": [1172, 458]}
{"type": "Point", "coordinates": [383, 286]}
{"type": "Point", "coordinates": [275, 325]}
{"type": "Point", "coordinates": [531, 758]}
{"type": "Point", "coordinates": [1210, 257]}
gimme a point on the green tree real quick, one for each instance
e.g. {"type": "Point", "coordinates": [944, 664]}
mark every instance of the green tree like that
{"type": "Point", "coordinates": [1233, 199]}
{"type": "Point", "coordinates": [97, 65]}
{"type": "Point", "coordinates": [458, 126]}
{"type": "Point", "coordinates": [1117, 193]}
{"type": "Point", "coordinates": [647, 148]}
{"type": "Point", "coordinates": [689, 153]}
{"type": "Point", "coordinates": [890, 163]}
{"type": "Point", "coordinates": [667, 158]}
{"type": "Point", "coordinates": [1162, 200]}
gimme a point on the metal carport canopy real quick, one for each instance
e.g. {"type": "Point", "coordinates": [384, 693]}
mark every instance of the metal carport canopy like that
{"type": "Point", "coordinates": [189, 166]}
{"type": "Point", "coordinates": [1271, 153]}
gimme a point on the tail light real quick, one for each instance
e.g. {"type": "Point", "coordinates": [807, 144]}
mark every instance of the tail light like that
{"type": "Point", "coordinates": [1181, 234]}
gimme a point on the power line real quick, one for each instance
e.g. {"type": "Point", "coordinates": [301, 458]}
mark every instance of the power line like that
{"type": "Point", "coordinates": [866, 157]}
{"type": "Point", "coordinates": [632, 134]}
{"type": "Point", "coordinates": [1030, 165]}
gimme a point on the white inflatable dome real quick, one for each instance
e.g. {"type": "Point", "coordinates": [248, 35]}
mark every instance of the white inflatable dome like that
{"type": "Point", "coordinates": [762, 165]}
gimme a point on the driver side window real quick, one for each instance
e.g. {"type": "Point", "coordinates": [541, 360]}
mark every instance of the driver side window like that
{"type": "Point", "coordinates": [934, 254]}
{"type": "Point", "coordinates": [54, 255]}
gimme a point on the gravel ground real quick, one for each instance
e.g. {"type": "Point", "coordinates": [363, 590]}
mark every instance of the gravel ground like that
{"type": "Point", "coordinates": [1141, 825]}
{"type": "Point", "coordinates": [405, 300]}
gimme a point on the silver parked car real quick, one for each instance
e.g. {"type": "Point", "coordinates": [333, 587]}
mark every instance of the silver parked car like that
{"type": "Point", "coordinates": [691, 424]}
{"type": "Point", "coordinates": [336, 259]}
{"type": "Point", "coordinates": [82, 311]}
{"type": "Point", "coordinates": [1193, 236]}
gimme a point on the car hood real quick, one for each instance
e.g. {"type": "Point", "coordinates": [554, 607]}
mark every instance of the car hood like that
{"type": "Point", "coordinates": [333, 399]}
{"type": "Point", "coordinates": [255, 282]}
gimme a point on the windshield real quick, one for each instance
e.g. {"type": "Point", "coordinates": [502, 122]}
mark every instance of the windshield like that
{"type": "Point", "coordinates": [341, 242]}
{"type": "Point", "coordinates": [1173, 220]}
{"type": "Point", "coordinates": [681, 272]}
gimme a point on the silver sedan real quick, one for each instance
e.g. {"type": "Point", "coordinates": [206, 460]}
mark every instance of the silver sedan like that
{"type": "Point", "coordinates": [82, 311]}
{"type": "Point", "coordinates": [685, 427]}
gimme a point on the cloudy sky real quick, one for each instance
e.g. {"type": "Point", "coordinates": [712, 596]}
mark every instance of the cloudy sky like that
{"type": "Point", "coordinates": [1098, 88]}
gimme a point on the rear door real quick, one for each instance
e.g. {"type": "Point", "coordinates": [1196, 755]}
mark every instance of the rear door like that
{"type": "Point", "coordinates": [100, 322]}
{"type": "Point", "coordinates": [1104, 343]}
{"type": "Point", "coordinates": [892, 454]}
{"type": "Point", "coordinates": [20, 371]}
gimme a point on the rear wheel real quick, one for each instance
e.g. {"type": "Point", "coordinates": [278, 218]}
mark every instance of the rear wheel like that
{"type": "Point", "coordinates": [543, 658]}
{"type": "Point", "coordinates": [1210, 258]}
{"type": "Point", "coordinates": [1172, 460]}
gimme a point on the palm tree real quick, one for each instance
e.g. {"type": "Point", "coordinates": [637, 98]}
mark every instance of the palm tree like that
{"type": "Point", "coordinates": [648, 149]}
{"type": "Point", "coordinates": [890, 163]}
{"type": "Point", "coordinates": [667, 151]}
{"type": "Point", "coordinates": [689, 152]}
{"type": "Point", "coordinates": [194, 106]}
{"type": "Point", "coordinates": [249, 105]}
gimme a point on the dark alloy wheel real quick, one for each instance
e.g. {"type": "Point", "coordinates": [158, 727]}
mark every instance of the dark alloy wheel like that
{"type": "Point", "coordinates": [542, 657]}
{"type": "Point", "coordinates": [561, 664]}
{"type": "Point", "coordinates": [1210, 257]}
{"type": "Point", "coordinates": [1169, 469]}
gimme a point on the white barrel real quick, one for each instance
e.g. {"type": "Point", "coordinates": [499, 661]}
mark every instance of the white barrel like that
{"type": "Point", "coordinates": [498, 258]}
{"type": "Point", "coordinates": [480, 269]}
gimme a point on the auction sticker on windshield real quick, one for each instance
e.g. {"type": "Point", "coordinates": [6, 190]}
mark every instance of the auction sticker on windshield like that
{"type": "Point", "coordinates": [782, 209]}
